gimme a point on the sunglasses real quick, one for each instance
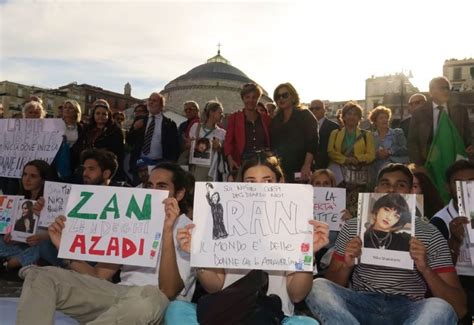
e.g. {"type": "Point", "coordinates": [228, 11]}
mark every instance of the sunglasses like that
{"type": "Point", "coordinates": [284, 96]}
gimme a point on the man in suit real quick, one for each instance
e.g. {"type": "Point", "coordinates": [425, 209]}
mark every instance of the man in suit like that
{"type": "Point", "coordinates": [325, 127]}
{"type": "Point", "coordinates": [154, 138]}
{"type": "Point", "coordinates": [424, 121]}
{"type": "Point", "coordinates": [415, 101]}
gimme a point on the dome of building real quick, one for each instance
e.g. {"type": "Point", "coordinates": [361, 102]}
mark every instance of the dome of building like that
{"type": "Point", "coordinates": [216, 79]}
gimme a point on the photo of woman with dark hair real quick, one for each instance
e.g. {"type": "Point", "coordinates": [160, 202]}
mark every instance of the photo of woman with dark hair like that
{"type": "Point", "coordinates": [27, 221]}
{"type": "Point", "coordinates": [389, 215]}
{"type": "Point", "coordinates": [218, 228]}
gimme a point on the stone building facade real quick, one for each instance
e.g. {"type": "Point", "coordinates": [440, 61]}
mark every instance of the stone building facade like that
{"type": "Point", "coordinates": [217, 79]}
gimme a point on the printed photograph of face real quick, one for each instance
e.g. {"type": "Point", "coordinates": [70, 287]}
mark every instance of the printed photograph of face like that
{"type": "Point", "coordinates": [202, 149]}
{"type": "Point", "coordinates": [388, 224]}
{"type": "Point", "coordinates": [26, 222]}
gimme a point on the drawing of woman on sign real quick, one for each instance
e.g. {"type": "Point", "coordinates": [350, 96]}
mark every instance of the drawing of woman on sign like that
{"type": "Point", "coordinates": [390, 219]}
{"type": "Point", "coordinates": [218, 229]}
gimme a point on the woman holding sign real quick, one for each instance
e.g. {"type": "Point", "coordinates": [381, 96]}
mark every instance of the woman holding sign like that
{"type": "Point", "coordinates": [14, 255]}
{"type": "Point", "coordinates": [289, 287]}
{"type": "Point", "coordinates": [211, 167]}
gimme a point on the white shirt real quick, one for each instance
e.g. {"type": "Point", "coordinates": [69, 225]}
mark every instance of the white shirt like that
{"type": "Point", "coordinates": [276, 285]}
{"type": "Point", "coordinates": [447, 214]}
{"type": "Point", "coordinates": [217, 133]}
{"type": "Point", "coordinates": [140, 276]}
{"type": "Point", "coordinates": [156, 151]}
{"type": "Point", "coordinates": [320, 122]}
{"type": "Point", "coordinates": [436, 116]}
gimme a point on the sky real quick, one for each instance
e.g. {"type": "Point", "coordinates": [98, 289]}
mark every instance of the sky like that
{"type": "Point", "coordinates": [326, 49]}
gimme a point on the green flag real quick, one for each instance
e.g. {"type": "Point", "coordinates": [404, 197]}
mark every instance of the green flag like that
{"type": "Point", "coordinates": [446, 148]}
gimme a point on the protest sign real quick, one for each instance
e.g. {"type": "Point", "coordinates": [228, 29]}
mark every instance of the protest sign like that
{"type": "Point", "coordinates": [8, 206]}
{"type": "Point", "coordinates": [329, 202]}
{"type": "Point", "coordinates": [386, 223]}
{"type": "Point", "coordinates": [23, 140]}
{"type": "Point", "coordinates": [55, 200]}
{"type": "Point", "coordinates": [113, 225]}
{"type": "Point", "coordinates": [465, 192]}
{"type": "Point", "coordinates": [201, 152]}
{"type": "Point", "coordinates": [253, 226]}
{"type": "Point", "coordinates": [25, 222]}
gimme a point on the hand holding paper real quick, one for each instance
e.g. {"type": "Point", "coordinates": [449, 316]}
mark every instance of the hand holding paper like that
{"type": "Point", "coordinates": [55, 230]}
{"type": "Point", "coordinates": [171, 213]}
{"type": "Point", "coordinates": [184, 236]}
{"type": "Point", "coordinates": [33, 240]}
{"type": "Point", "coordinates": [353, 251]}
{"type": "Point", "coordinates": [418, 254]}
{"type": "Point", "coordinates": [456, 228]}
{"type": "Point", "coordinates": [38, 206]}
{"type": "Point", "coordinates": [320, 234]}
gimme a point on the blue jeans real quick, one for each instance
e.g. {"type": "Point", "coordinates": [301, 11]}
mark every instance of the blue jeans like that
{"type": "Point", "coordinates": [333, 304]}
{"type": "Point", "coordinates": [23, 252]}
{"type": "Point", "coordinates": [182, 312]}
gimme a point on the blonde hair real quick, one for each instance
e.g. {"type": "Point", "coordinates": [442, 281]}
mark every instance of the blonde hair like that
{"type": "Point", "coordinates": [76, 106]}
{"type": "Point", "coordinates": [326, 172]}
{"type": "Point", "coordinates": [33, 104]}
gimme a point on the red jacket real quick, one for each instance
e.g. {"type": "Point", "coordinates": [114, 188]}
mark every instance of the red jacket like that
{"type": "Point", "coordinates": [234, 143]}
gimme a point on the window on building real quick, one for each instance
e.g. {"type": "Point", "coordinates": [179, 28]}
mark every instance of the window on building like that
{"type": "Point", "coordinates": [19, 92]}
{"type": "Point", "coordinates": [457, 73]}
{"type": "Point", "coordinates": [472, 72]}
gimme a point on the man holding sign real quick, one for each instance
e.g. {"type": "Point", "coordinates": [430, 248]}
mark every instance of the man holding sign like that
{"type": "Point", "coordinates": [142, 295]}
{"type": "Point", "coordinates": [382, 294]}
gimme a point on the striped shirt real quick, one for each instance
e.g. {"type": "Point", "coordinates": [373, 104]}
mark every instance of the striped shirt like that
{"type": "Point", "coordinates": [393, 281]}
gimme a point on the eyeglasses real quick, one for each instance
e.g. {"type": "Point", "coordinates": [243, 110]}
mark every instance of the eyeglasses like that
{"type": "Point", "coordinates": [284, 96]}
{"type": "Point", "coordinates": [416, 102]}
{"type": "Point", "coordinates": [317, 108]}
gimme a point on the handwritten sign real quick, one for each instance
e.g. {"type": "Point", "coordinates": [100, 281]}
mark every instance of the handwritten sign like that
{"type": "Point", "coordinates": [253, 226]}
{"type": "Point", "coordinates": [113, 225]}
{"type": "Point", "coordinates": [465, 192]}
{"type": "Point", "coordinates": [23, 140]}
{"type": "Point", "coordinates": [25, 222]}
{"type": "Point", "coordinates": [8, 206]}
{"type": "Point", "coordinates": [329, 202]}
{"type": "Point", "coordinates": [386, 223]}
{"type": "Point", "coordinates": [55, 200]}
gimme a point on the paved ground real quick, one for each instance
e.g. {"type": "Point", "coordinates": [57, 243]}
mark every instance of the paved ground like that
{"type": "Point", "coordinates": [10, 284]}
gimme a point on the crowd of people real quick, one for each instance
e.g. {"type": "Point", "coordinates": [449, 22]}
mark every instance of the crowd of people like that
{"type": "Point", "coordinates": [281, 142]}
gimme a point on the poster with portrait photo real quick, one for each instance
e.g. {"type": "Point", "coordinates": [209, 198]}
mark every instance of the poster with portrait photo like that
{"type": "Point", "coordinates": [25, 222]}
{"type": "Point", "coordinates": [465, 193]}
{"type": "Point", "coordinates": [386, 224]}
{"type": "Point", "coordinates": [201, 152]}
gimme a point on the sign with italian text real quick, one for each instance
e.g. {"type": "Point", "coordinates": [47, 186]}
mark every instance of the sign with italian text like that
{"type": "Point", "coordinates": [55, 200]}
{"type": "Point", "coordinates": [113, 225]}
{"type": "Point", "coordinates": [23, 140]}
{"type": "Point", "coordinates": [329, 202]}
{"type": "Point", "coordinates": [253, 226]}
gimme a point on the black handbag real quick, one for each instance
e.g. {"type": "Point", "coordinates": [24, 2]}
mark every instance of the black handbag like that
{"type": "Point", "coordinates": [243, 302]}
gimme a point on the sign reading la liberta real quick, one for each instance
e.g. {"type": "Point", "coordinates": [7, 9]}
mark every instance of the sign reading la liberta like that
{"type": "Point", "coordinates": [113, 225]}
{"type": "Point", "coordinates": [23, 140]}
{"type": "Point", "coordinates": [253, 226]}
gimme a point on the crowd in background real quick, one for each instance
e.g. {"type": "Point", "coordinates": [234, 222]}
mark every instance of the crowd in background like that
{"type": "Point", "coordinates": [297, 144]}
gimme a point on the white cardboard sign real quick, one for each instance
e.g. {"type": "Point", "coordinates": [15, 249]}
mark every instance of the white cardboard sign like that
{"type": "Point", "coordinates": [113, 225]}
{"type": "Point", "coordinates": [55, 200]}
{"type": "Point", "coordinates": [23, 140]}
{"type": "Point", "coordinates": [329, 202]}
{"type": "Point", "coordinates": [253, 226]}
